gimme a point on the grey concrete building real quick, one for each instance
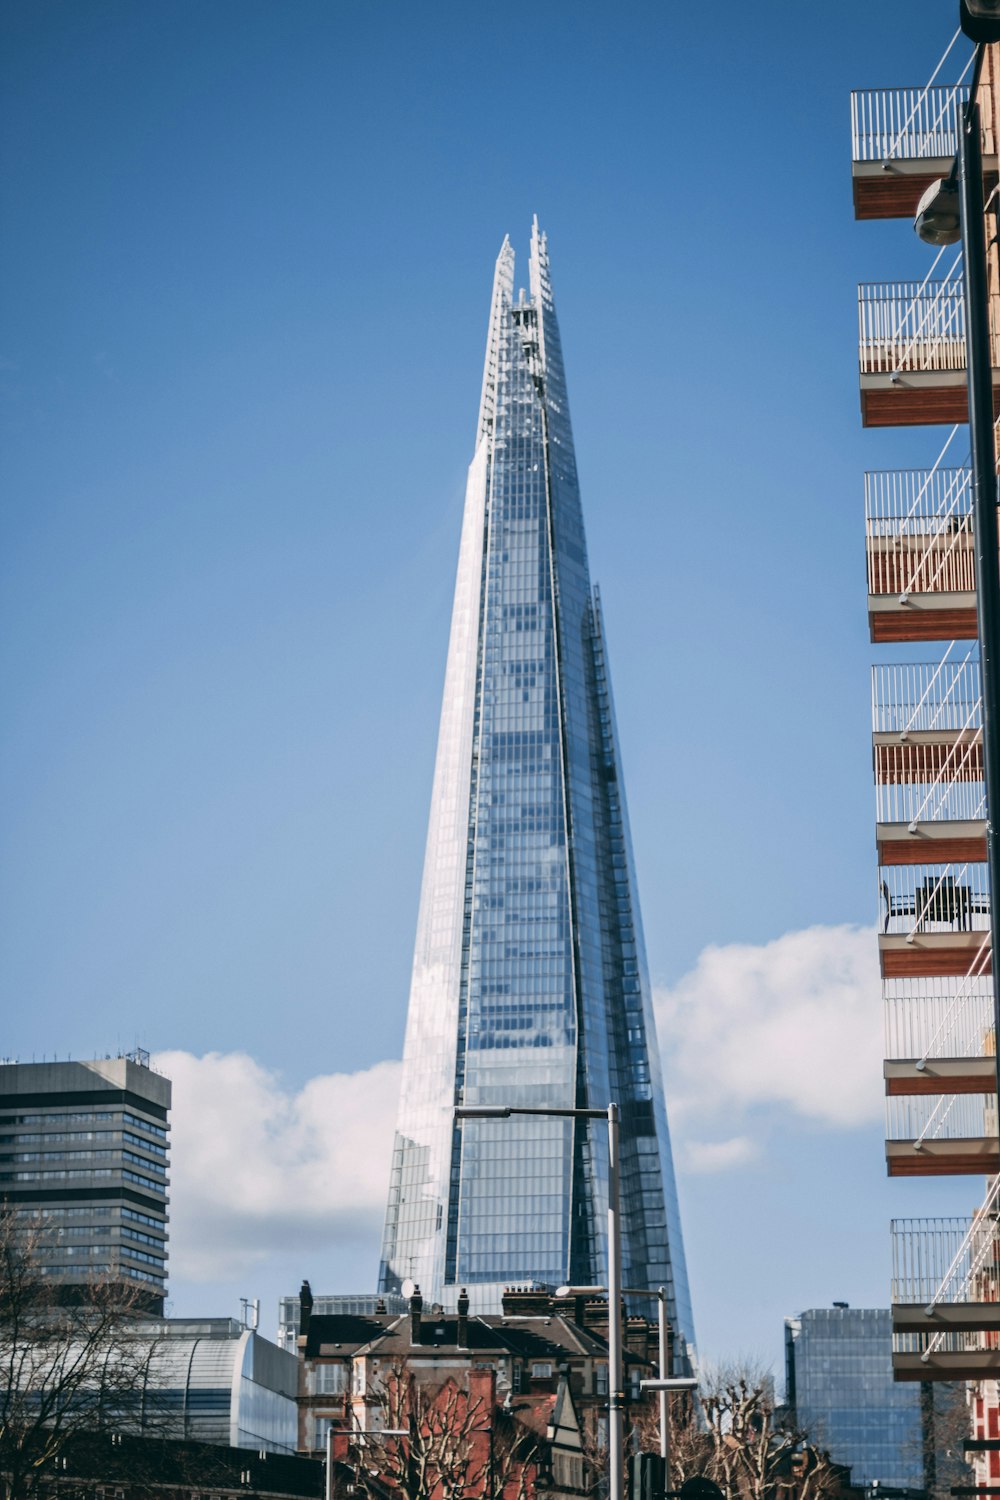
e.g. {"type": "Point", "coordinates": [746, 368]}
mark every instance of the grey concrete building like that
{"type": "Point", "coordinates": [84, 1157]}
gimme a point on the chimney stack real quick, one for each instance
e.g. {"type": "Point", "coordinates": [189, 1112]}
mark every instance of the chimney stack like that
{"type": "Point", "coordinates": [305, 1308]}
{"type": "Point", "coordinates": [462, 1338]}
{"type": "Point", "coordinates": [416, 1309]}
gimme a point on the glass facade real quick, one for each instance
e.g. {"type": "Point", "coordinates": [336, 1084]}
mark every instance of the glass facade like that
{"type": "Point", "coordinates": [838, 1364]}
{"type": "Point", "coordinates": [529, 979]}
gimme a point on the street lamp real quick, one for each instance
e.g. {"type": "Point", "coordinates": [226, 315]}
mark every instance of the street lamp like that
{"type": "Point", "coordinates": [638, 1291]}
{"type": "Point", "coordinates": [665, 1386]}
{"type": "Point", "coordinates": [616, 1396]}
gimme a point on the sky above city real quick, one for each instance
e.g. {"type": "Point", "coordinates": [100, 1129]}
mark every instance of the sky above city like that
{"type": "Point", "coordinates": [247, 251]}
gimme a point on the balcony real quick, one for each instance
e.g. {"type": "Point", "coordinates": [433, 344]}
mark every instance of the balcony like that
{"type": "Point", "coordinates": [951, 1135]}
{"type": "Point", "coordinates": [912, 353]}
{"type": "Point", "coordinates": [935, 920]}
{"type": "Point", "coordinates": [946, 1294]}
{"type": "Point", "coordinates": [930, 797]}
{"type": "Point", "coordinates": [921, 557]}
{"type": "Point", "coordinates": [902, 140]}
{"type": "Point", "coordinates": [939, 1034]}
{"type": "Point", "coordinates": [946, 1274]}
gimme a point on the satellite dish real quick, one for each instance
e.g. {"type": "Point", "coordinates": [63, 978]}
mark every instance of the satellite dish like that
{"type": "Point", "coordinates": [410, 1286]}
{"type": "Point", "coordinates": [700, 1488]}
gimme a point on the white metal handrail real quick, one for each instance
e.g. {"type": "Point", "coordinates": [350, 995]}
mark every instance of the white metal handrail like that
{"type": "Point", "coordinates": [967, 747]}
{"type": "Point", "coordinates": [881, 121]}
{"type": "Point", "coordinates": [941, 897]}
{"type": "Point", "coordinates": [976, 1261]}
{"type": "Point", "coordinates": [940, 1016]}
{"type": "Point", "coordinates": [912, 326]}
{"type": "Point", "coordinates": [915, 1119]}
{"type": "Point", "coordinates": [904, 699]}
{"type": "Point", "coordinates": [962, 997]}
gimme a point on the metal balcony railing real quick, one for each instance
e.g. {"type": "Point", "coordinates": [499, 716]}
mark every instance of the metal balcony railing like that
{"type": "Point", "coordinates": [927, 697]}
{"type": "Point", "coordinates": [945, 1260]}
{"type": "Point", "coordinates": [919, 531]}
{"type": "Point", "coordinates": [931, 1018]}
{"type": "Point", "coordinates": [905, 124]}
{"type": "Point", "coordinates": [926, 1344]}
{"type": "Point", "coordinates": [917, 784]}
{"type": "Point", "coordinates": [911, 326]}
{"type": "Point", "coordinates": [934, 898]}
{"type": "Point", "coordinates": [939, 1117]}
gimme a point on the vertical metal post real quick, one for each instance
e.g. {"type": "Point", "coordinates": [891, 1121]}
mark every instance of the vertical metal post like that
{"type": "Point", "coordinates": [616, 1395]}
{"type": "Point", "coordinates": [664, 1396]}
{"type": "Point", "coordinates": [979, 358]}
{"type": "Point", "coordinates": [328, 1486]}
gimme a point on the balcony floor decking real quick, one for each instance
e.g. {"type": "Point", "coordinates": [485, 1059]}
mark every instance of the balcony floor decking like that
{"type": "Point", "coordinates": [892, 190]}
{"type": "Point", "coordinates": [941, 1075]}
{"type": "Point", "coordinates": [948, 1364]}
{"type": "Point", "coordinates": [924, 617]}
{"type": "Point", "coordinates": [930, 955]}
{"type": "Point", "coordinates": [937, 842]}
{"type": "Point", "coordinates": [916, 398]}
{"type": "Point", "coordinates": [971, 1317]}
{"type": "Point", "coordinates": [964, 1156]}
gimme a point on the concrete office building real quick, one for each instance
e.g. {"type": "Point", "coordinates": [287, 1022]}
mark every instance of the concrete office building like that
{"type": "Point", "coordinates": [84, 1157]}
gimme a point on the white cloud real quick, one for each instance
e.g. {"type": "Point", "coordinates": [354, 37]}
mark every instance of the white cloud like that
{"type": "Point", "coordinates": [717, 1156]}
{"type": "Point", "coordinates": [795, 1023]}
{"type": "Point", "coordinates": [257, 1168]}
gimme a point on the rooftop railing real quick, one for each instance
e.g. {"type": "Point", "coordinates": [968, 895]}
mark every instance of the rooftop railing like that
{"type": "Point", "coordinates": [931, 1018]}
{"type": "Point", "coordinates": [911, 326]}
{"type": "Point", "coordinates": [905, 124]}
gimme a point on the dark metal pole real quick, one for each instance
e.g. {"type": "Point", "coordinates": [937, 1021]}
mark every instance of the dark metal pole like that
{"type": "Point", "coordinates": [979, 358]}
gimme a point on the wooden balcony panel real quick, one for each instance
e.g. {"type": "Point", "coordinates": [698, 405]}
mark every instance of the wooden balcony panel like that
{"type": "Point", "coordinates": [975, 1156]}
{"type": "Point", "coordinates": [915, 398]}
{"type": "Point", "coordinates": [971, 1317]}
{"type": "Point", "coordinates": [884, 191]}
{"type": "Point", "coordinates": [925, 617]}
{"type": "Point", "coordinates": [967, 1364]}
{"type": "Point", "coordinates": [930, 955]}
{"type": "Point", "coordinates": [923, 755]}
{"type": "Point", "coordinates": [941, 1075]}
{"type": "Point", "coordinates": [939, 843]}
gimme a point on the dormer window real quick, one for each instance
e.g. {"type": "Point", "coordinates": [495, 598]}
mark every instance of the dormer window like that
{"type": "Point", "coordinates": [541, 1369]}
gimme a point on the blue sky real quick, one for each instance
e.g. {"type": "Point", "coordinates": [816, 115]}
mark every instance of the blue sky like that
{"type": "Point", "coordinates": [247, 250]}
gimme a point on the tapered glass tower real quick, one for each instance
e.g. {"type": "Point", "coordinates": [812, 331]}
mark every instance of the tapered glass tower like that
{"type": "Point", "coordinates": [529, 976]}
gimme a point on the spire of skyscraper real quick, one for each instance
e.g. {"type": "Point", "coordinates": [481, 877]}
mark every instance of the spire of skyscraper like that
{"type": "Point", "coordinates": [530, 984]}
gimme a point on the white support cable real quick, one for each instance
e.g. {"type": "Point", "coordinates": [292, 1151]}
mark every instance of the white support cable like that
{"type": "Point", "coordinates": [923, 95]}
{"type": "Point", "coordinates": [989, 1206]}
{"type": "Point", "coordinates": [938, 885]}
{"type": "Point", "coordinates": [930, 305]}
{"type": "Point", "coordinates": [969, 746]}
{"type": "Point", "coordinates": [924, 695]}
{"type": "Point", "coordinates": [952, 496]}
{"type": "Point", "coordinates": [962, 995]}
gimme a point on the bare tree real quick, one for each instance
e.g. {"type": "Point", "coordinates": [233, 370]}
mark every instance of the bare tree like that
{"type": "Point", "coordinates": [740, 1437]}
{"type": "Point", "coordinates": [67, 1373]}
{"type": "Point", "coordinates": [443, 1443]}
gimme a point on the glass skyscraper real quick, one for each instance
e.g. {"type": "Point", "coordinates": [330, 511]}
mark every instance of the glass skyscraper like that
{"type": "Point", "coordinates": [838, 1380]}
{"type": "Point", "coordinates": [529, 981]}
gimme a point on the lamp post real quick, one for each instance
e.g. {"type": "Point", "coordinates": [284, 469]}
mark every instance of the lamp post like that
{"type": "Point", "coordinates": [638, 1291]}
{"type": "Point", "coordinates": [664, 1386]}
{"type": "Point", "coordinates": [616, 1396]}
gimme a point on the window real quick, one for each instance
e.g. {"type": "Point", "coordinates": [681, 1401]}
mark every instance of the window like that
{"type": "Point", "coordinates": [331, 1380]}
{"type": "Point", "coordinates": [541, 1369]}
{"type": "Point", "coordinates": [600, 1380]}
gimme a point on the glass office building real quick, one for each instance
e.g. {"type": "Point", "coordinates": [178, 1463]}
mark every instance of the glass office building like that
{"type": "Point", "coordinates": [839, 1381]}
{"type": "Point", "coordinates": [529, 979]}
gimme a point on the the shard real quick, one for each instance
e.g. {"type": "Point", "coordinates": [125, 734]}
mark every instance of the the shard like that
{"type": "Point", "coordinates": [529, 980]}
